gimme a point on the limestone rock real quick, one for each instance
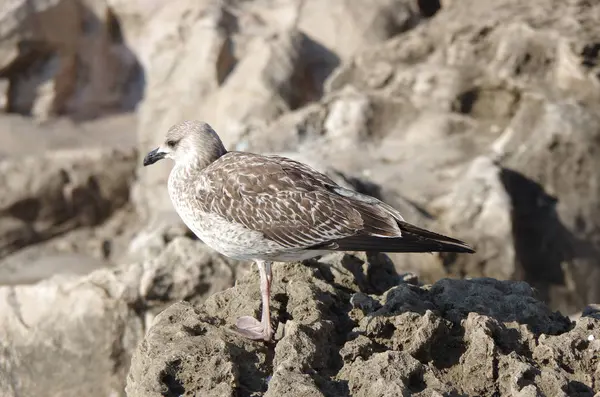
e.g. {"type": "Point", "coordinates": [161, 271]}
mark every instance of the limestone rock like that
{"type": "Point", "coordinates": [479, 208]}
{"type": "Point", "coordinates": [334, 340]}
{"type": "Point", "coordinates": [51, 194]}
{"type": "Point", "coordinates": [58, 327]}
{"type": "Point", "coordinates": [53, 330]}
{"type": "Point", "coordinates": [66, 56]}
{"type": "Point", "coordinates": [555, 190]}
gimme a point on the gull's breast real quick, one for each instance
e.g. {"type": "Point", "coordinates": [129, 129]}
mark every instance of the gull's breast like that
{"type": "Point", "coordinates": [231, 239]}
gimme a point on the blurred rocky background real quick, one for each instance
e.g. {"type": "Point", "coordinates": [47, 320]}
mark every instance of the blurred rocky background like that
{"type": "Point", "coordinates": [479, 119]}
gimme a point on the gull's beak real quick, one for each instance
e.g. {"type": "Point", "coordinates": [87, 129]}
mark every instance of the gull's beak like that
{"type": "Point", "coordinates": [153, 156]}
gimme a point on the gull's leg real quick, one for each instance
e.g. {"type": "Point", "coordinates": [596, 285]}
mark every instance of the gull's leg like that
{"type": "Point", "coordinates": [251, 327]}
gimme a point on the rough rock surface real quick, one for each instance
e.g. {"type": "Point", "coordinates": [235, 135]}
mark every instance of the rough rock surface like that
{"type": "Point", "coordinates": [74, 336]}
{"type": "Point", "coordinates": [51, 194]}
{"type": "Point", "coordinates": [65, 56]}
{"type": "Point", "coordinates": [349, 325]}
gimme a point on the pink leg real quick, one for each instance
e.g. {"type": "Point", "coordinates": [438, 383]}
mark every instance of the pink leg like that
{"type": "Point", "coordinates": [251, 327]}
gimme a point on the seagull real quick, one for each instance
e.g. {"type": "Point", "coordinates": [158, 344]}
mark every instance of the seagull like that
{"type": "Point", "coordinates": [269, 209]}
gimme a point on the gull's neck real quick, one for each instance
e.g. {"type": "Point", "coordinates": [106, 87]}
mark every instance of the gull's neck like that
{"type": "Point", "coordinates": [199, 161]}
{"type": "Point", "coordinates": [190, 169]}
{"type": "Point", "coordinates": [183, 176]}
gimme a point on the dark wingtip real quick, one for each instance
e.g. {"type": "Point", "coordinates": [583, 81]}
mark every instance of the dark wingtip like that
{"type": "Point", "coordinates": [449, 243]}
{"type": "Point", "coordinates": [466, 249]}
{"type": "Point", "coordinates": [455, 245]}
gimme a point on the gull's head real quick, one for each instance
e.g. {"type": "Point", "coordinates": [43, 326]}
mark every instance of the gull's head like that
{"type": "Point", "coordinates": [189, 143]}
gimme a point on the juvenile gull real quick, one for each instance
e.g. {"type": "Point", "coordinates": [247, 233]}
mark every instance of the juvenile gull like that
{"type": "Point", "coordinates": [269, 208]}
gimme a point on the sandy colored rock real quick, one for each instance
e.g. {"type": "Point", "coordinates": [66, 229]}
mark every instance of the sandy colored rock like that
{"type": "Point", "coordinates": [59, 327]}
{"type": "Point", "coordinates": [23, 136]}
{"type": "Point", "coordinates": [479, 208]}
{"type": "Point", "coordinates": [45, 196]}
{"type": "Point", "coordinates": [408, 340]}
{"type": "Point", "coordinates": [358, 25]}
{"type": "Point", "coordinates": [66, 56]}
{"type": "Point", "coordinates": [556, 193]}
{"type": "Point", "coordinates": [53, 330]}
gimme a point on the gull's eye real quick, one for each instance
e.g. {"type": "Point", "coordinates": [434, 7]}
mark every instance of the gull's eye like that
{"type": "Point", "coordinates": [171, 143]}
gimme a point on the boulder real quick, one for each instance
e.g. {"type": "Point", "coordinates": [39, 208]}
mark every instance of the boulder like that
{"type": "Point", "coordinates": [555, 191]}
{"type": "Point", "coordinates": [50, 194]}
{"type": "Point", "coordinates": [343, 330]}
{"type": "Point", "coordinates": [66, 56]}
{"type": "Point", "coordinates": [53, 331]}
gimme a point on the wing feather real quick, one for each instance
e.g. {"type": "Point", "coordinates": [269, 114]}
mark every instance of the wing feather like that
{"type": "Point", "coordinates": [286, 201]}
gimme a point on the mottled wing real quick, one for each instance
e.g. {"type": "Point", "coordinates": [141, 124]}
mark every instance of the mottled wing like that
{"type": "Point", "coordinates": [287, 201]}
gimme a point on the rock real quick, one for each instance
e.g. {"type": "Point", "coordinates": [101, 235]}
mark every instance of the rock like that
{"type": "Point", "coordinates": [360, 26]}
{"type": "Point", "coordinates": [408, 340]}
{"type": "Point", "coordinates": [179, 343]}
{"type": "Point", "coordinates": [389, 373]}
{"type": "Point", "coordinates": [23, 136]}
{"type": "Point", "coordinates": [185, 270]}
{"type": "Point", "coordinates": [576, 350]}
{"type": "Point", "coordinates": [45, 196]}
{"type": "Point", "coordinates": [64, 56]}
{"type": "Point", "coordinates": [506, 302]}
{"type": "Point", "coordinates": [61, 325]}
{"type": "Point", "coordinates": [555, 192]}
{"type": "Point", "coordinates": [30, 267]}
{"type": "Point", "coordinates": [591, 310]}
{"type": "Point", "coordinates": [479, 209]}
{"type": "Point", "coordinates": [299, 345]}
{"type": "Point", "coordinates": [152, 239]}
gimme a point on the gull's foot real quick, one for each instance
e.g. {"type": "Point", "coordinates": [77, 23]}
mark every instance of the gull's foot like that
{"type": "Point", "coordinates": [251, 328]}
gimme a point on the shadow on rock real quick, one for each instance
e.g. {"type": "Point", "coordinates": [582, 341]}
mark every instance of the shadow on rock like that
{"type": "Point", "coordinates": [542, 243]}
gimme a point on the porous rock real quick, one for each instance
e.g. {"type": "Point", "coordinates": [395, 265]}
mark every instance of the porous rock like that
{"type": "Point", "coordinates": [336, 337]}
